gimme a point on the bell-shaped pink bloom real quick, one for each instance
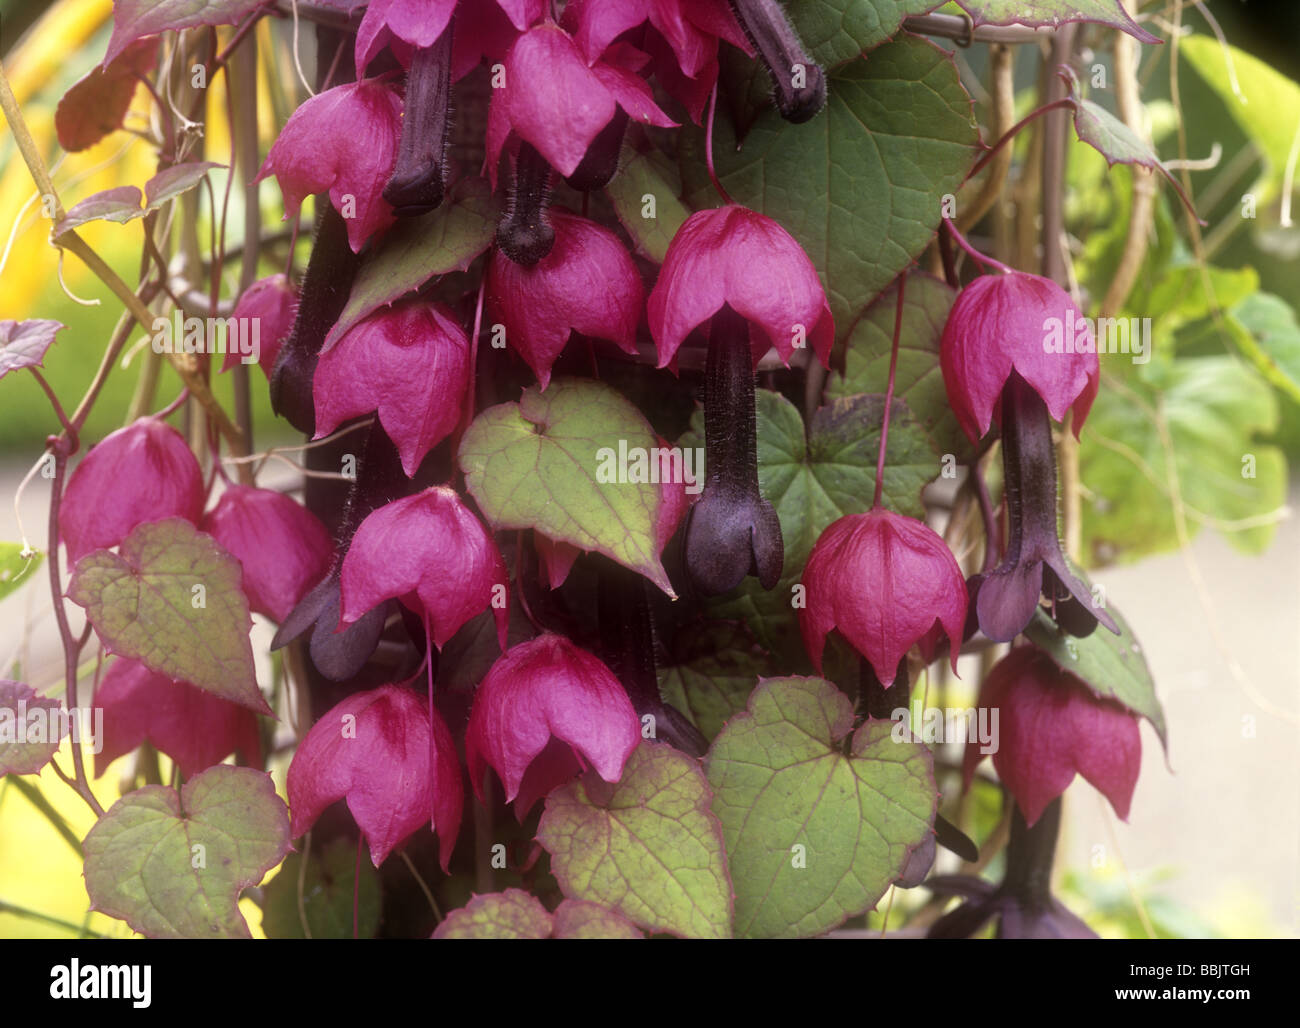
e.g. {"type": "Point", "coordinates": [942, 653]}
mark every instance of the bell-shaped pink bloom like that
{"type": "Point", "coordinates": [586, 284]}
{"type": "Point", "coordinates": [193, 727]}
{"type": "Point", "coordinates": [1023, 322]}
{"type": "Point", "coordinates": [343, 141]}
{"type": "Point", "coordinates": [144, 472]}
{"type": "Point", "coordinates": [1050, 727]}
{"type": "Point", "coordinates": [270, 304]}
{"type": "Point", "coordinates": [887, 582]}
{"type": "Point", "coordinates": [691, 28]}
{"type": "Point", "coordinates": [738, 257]}
{"type": "Point", "coordinates": [554, 101]}
{"type": "Point", "coordinates": [283, 547]}
{"type": "Point", "coordinates": [378, 751]}
{"type": "Point", "coordinates": [406, 24]}
{"type": "Point", "coordinates": [430, 552]}
{"type": "Point", "coordinates": [409, 362]}
{"type": "Point", "coordinates": [543, 689]}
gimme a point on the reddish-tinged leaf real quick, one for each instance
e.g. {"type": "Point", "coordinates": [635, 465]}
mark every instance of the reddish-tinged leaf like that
{"type": "Point", "coordinates": [580, 919]}
{"type": "Point", "coordinates": [516, 914]}
{"type": "Point", "coordinates": [172, 866]}
{"type": "Point", "coordinates": [97, 104]}
{"type": "Point", "coordinates": [134, 19]}
{"type": "Point", "coordinates": [120, 204]}
{"type": "Point", "coordinates": [23, 343]}
{"type": "Point", "coordinates": [1054, 12]}
{"type": "Point", "coordinates": [648, 847]}
{"type": "Point", "coordinates": [18, 756]}
{"type": "Point", "coordinates": [1115, 141]}
{"type": "Point", "coordinates": [172, 600]}
{"type": "Point", "coordinates": [513, 914]}
{"type": "Point", "coordinates": [172, 182]}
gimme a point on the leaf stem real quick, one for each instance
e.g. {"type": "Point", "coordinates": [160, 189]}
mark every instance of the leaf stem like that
{"type": "Point", "coordinates": [1013, 131]}
{"type": "Point", "coordinates": [68, 428]}
{"type": "Point", "coordinates": [708, 147]}
{"type": "Point", "coordinates": [984, 259]}
{"type": "Point", "coordinates": [889, 391]}
{"type": "Point", "coordinates": [71, 645]}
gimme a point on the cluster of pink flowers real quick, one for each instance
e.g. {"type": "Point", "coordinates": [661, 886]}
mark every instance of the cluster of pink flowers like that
{"type": "Point", "coordinates": [548, 709]}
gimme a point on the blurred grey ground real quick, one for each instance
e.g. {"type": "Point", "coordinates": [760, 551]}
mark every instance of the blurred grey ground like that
{"type": "Point", "coordinates": [1228, 816]}
{"type": "Point", "coordinates": [1226, 821]}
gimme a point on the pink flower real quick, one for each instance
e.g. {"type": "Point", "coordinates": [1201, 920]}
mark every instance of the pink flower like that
{"type": "Point", "coordinates": [195, 728]}
{"type": "Point", "coordinates": [377, 750]}
{"type": "Point", "coordinates": [343, 140]}
{"type": "Point", "coordinates": [554, 101]}
{"type": "Point", "coordinates": [691, 27]}
{"type": "Point", "coordinates": [144, 472]}
{"type": "Point", "coordinates": [542, 689]}
{"type": "Point", "coordinates": [738, 257]}
{"type": "Point", "coordinates": [887, 582]}
{"type": "Point", "coordinates": [271, 304]}
{"type": "Point", "coordinates": [406, 24]}
{"type": "Point", "coordinates": [586, 284]}
{"type": "Point", "coordinates": [283, 547]}
{"type": "Point", "coordinates": [1051, 726]}
{"type": "Point", "coordinates": [409, 362]}
{"type": "Point", "coordinates": [1023, 322]}
{"type": "Point", "coordinates": [431, 553]}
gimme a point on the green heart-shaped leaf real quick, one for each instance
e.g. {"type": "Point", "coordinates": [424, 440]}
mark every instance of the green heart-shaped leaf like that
{"type": "Point", "coordinates": [861, 186]}
{"type": "Point", "coordinates": [172, 866]}
{"type": "Point", "coordinates": [647, 847]}
{"type": "Point", "coordinates": [172, 600]}
{"type": "Point", "coordinates": [540, 463]}
{"type": "Point", "coordinates": [814, 834]}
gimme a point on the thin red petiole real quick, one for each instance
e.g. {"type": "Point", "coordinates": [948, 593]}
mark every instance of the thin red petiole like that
{"type": "Point", "coordinates": [983, 259]}
{"type": "Point", "coordinates": [708, 147]}
{"type": "Point", "coordinates": [1011, 133]}
{"type": "Point", "coordinates": [889, 392]}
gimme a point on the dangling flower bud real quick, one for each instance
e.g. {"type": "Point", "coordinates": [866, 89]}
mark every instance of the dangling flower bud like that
{"type": "Point", "coordinates": [888, 583]}
{"type": "Point", "coordinates": [144, 472]}
{"type": "Point", "coordinates": [397, 771]}
{"type": "Point", "coordinates": [282, 546]}
{"type": "Point", "coordinates": [542, 690]}
{"type": "Point", "coordinates": [586, 284]}
{"type": "Point", "coordinates": [409, 362]}
{"type": "Point", "coordinates": [1052, 727]}
{"type": "Point", "coordinates": [343, 141]}
{"type": "Point", "coordinates": [1001, 358]}
{"type": "Point", "coordinates": [190, 725]}
{"type": "Point", "coordinates": [431, 553]}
